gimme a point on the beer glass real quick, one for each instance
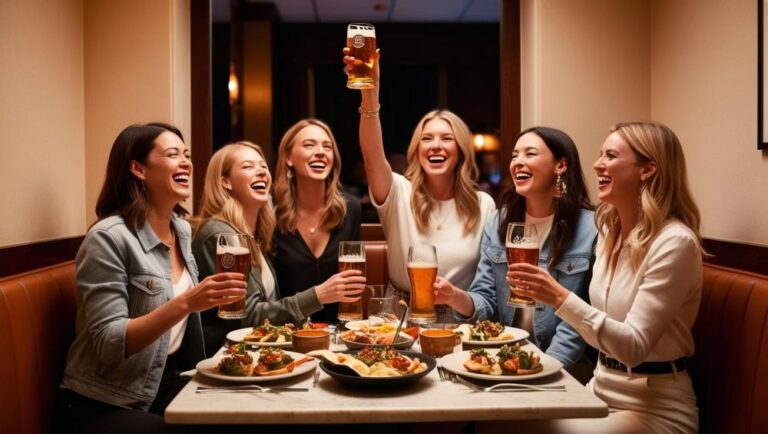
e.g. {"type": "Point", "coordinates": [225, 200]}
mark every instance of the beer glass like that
{"type": "Point", "coordinates": [233, 255]}
{"type": "Point", "coordinates": [361, 41]}
{"type": "Point", "coordinates": [382, 310]}
{"type": "Point", "coordinates": [422, 271]}
{"type": "Point", "coordinates": [522, 246]}
{"type": "Point", "coordinates": [351, 257]}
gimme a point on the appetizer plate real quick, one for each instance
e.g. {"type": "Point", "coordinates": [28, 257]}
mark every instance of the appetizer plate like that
{"type": "Point", "coordinates": [454, 362]}
{"type": "Point", "coordinates": [517, 335]}
{"type": "Point", "coordinates": [208, 367]}
{"type": "Point", "coordinates": [404, 341]}
{"type": "Point", "coordinates": [361, 324]}
{"type": "Point", "coordinates": [379, 383]}
{"type": "Point", "coordinates": [239, 334]}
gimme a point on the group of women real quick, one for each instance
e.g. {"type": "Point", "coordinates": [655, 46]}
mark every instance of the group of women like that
{"type": "Point", "coordinates": [624, 278]}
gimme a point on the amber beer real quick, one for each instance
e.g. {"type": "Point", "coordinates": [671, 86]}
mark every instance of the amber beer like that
{"type": "Point", "coordinates": [422, 276]}
{"type": "Point", "coordinates": [231, 259]}
{"type": "Point", "coordinates": [353, 310]}
{"type": "Point", "coordinates": [361, 41]}
{"type": "Point", "coordinates": [525, 253]}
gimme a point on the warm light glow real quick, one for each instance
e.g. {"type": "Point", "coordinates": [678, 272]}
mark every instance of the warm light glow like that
{"type": "Point", "coordinates": [485, 143]}
{"type": "Point", "coordinates": [479, 142]}
{"type": "Point", "coordinates": [234, 87]}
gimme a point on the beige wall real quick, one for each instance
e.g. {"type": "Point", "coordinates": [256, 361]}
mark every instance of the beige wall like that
{"type": "Point", "coordinates": [704, 77]}
{"type": "Point", "coordinates": [585, 67]}
{"type": "Point", "coordinates": [41, 120]}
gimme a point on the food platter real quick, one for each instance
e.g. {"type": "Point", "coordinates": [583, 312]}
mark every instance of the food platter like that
{"type": "Point", "coordinates": [517, 335]}
{"type": "Point", "coordinates": [208, 368]}
{"type": "Point", "coordinates": [454, 362]}
{"type": "Point", "coordinates": [239, 335]}
{"type": "Point", "coordinates": [377, 383]}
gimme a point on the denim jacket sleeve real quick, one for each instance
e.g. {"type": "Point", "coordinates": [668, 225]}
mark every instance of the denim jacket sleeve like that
{"type": "Point", "coordinates": [482, 290]}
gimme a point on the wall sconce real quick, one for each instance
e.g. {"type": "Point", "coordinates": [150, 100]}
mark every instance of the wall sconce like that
{"type": "Point", "coordinates": [233, 86]}
{"type": "Point", "coordinates": [486, 143]}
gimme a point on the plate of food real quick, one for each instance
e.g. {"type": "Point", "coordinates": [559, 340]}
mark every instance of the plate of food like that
{"type": "Point", "coordinates": [268, 364]}
{"type": "Point", "coordinates": [489, 333]}
{"type": "Point", "coordinates": [264, 335]}
{"type": "Point", "coordinates": [359, 339]}
{"type": "Point", "coordinates": [375, 367]}
{"type": "Point", "coordinates": [508, 363]}
{"type": "Point", "coordinates": [364, 324]}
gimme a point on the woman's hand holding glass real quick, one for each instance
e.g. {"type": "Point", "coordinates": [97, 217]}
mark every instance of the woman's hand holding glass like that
{"type": "Point", "coordinates": [536, 283]}
{"type": "Point", "coordinates": [213, 291]}
{"type": "Point", "coordinates": [346, 287]}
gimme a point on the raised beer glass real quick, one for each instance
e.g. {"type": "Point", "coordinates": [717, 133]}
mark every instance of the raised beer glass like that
{"type": "Point", "coordinates": [422, 271]}
{"type": "Point", "coordinates": [351, 257]}
{"type": "Point", "coordinates": [522, 246]}
{"type": "Point", "coordinates": [361, 41]}
{"type": "Point", "coordinates": [233, 255]}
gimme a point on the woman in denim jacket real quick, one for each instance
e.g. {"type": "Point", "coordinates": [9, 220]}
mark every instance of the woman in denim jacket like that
{"type": "Point", "coordinates": [137, 322]}
{"type": "Point", "coordinates": [548, 191]}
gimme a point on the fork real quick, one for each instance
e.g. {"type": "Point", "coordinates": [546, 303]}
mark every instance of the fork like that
{"type": "Point", "coordinates": [250, 388]}
{"type": "Point", "coordinates": [507, 387]}
{"type": "Point", "coordinates": [316, 378]}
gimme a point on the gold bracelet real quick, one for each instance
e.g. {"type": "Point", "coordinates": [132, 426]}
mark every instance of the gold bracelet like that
{"type": "Point", "coordinates": [369, 113]}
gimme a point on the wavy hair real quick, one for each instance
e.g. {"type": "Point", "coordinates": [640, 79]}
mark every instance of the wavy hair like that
{"type": "Point", "coordinates": [123, 193]}
{"type": "Point", "coordinates": [285, 188]}
{"type": "Point", "coordinates": [465, 184]}
{"type": "Point", "coordinates": [219, 204]}
{"type": "Point", "coordinates": [567, 208]}
{"type": "Point", "coordinates": [664, 196]}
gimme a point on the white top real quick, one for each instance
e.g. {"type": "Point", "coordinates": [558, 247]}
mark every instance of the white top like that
{"type": "Point", "coordinates": [457, 254]}
{"type": "Point", "coordinates": [177, 331]}
{"type": "Point", "coordinates": [647, 315]}
{"type": "Point", "coordinates": [543, 226]}
{"type": "Point", "coordinates": [267, 279]}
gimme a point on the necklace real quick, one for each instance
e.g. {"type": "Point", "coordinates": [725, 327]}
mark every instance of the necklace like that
{"type": "Point", "coordinates": [173, 241]}
{"type": "Point", "coordinates": [312, 228]}
{"type": "Point", "coordinates": [443, 218]}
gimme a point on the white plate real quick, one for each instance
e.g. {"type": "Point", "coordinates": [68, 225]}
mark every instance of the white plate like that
{"type": "Point", "coordinates": [360, 324]}
{"type": "Point", "coordinates": [207, 367]}
{"type": "Point", "coordinates": [239, 334]}
{"type": "Point", "coordinates": [454, 362]}
{"type": "Point", "coordinates": [517, 335]}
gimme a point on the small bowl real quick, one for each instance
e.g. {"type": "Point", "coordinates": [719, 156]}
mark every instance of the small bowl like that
{"type": "Point", "coordinates": [403, 342]}
{"type": "Point", "coordinates": [437, 342]}
{"type": "Point", "coordinates": [305, 341]}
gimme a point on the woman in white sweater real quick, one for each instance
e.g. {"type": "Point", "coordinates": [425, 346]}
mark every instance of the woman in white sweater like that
{"type": "Point", "coordinates": [645, 289]}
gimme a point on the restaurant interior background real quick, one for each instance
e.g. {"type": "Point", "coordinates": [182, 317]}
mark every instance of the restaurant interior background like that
{"type": "Point", "coordinates": [73, 73]}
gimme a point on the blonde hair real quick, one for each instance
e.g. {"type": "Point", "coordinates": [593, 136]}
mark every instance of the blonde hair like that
{"type": "Point", "coordinates": [285, 187]}
{"type": "Point", "coordinates": [664, 196]}
{"type": "Point", "coordinates": [465, 186]}
{"type": "Point", "coordinates": [217, 202]}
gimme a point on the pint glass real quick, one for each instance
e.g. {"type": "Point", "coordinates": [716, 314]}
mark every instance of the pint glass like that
{"type": "Point", "coordinates": [522, 246]}
{"type": "Point", "coordinates": [351, 257]}
{"type": "Point", "coordinates": [233, 255]}
{"type": "Point", "coordinates": [422, 271]}
{"type": "Point", "coordinates": [361, 41]}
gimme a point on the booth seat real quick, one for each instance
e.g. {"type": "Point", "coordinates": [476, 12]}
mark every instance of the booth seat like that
{"type": "Point", "coordinates": [730, 368]}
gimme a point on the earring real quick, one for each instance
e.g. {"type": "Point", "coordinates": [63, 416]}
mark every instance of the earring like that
{"type": "Point", "coordinates": [560, 188]}
{"type": "Point", "coordinates": [289, 173]}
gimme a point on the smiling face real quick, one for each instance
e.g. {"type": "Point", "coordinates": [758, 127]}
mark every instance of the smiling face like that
{"type": "Point", "coordinates": [311, 155]}
{"type": "Point", "coordinates": [167, 171]}
{"type": "Point", "coordinates": [619, 173]}
{"type": "Point", "coordinates": [438, 151]}
{"type": "Point", "coordinates": [533, 167]}
{"type": "Point", "coordinates": [249, 179]}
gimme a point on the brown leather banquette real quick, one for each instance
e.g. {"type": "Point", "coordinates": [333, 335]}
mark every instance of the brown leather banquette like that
{"type": "Point", "coordinates": [730, 369]}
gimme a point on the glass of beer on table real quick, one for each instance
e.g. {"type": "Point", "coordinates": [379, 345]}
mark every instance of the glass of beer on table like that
{"type": "Point", "coordinates": [522, 246]}
{"type": "Point", "coordinates": [361, 41]}
{"type": "Point", "coordinates": [422, 271]}
{"type": "Point", "coordinates": [351, 257]}
{"type": "Point", "coordinates": [233, 255]}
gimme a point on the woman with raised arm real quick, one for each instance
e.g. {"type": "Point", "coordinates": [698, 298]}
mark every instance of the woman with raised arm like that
{"type": "Point", "coordinates": [646, 285]}
{"type": "Point", "coordinates": [547, 190]}
{"type": "Point", "coordinates": [138, 297]}
{"type": "Point", "coordinates": [314, 215]}
{"type": "Point", "coordinates": [437, 202]}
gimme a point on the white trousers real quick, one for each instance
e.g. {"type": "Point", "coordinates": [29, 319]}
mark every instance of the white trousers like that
{"type": "Point", "coordinates": [639, 404]}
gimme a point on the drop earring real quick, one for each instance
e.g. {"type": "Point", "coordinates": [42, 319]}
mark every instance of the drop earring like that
{"type": "Point", "coordinates": [560, 188]}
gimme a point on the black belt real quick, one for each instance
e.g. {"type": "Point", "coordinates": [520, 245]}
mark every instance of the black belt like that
{"type": "Point", "coordinates": [645, 368]}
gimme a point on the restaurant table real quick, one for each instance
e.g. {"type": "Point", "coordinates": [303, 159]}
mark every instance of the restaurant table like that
{"type": "Point", "coordinates": [428, 400]}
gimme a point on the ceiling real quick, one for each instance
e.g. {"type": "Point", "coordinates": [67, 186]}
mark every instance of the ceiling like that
{"type": "Point", "coordinates": [375, 11]}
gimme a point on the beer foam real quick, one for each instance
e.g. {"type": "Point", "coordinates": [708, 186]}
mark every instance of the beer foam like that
{"type": "Point", "coordinates": [422, 265]}
{"type": "Point", "coordinates": [528, 246]}
{"type": "Point", "coordinates": [233, 250]}
{"type": "Point", "coordinates": [351, 259]}
{"type": "Point", "coordinates": [367, 31]}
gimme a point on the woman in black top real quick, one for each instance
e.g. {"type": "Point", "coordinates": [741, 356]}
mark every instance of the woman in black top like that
{"type": "Point", "coordinates": [313, 216]}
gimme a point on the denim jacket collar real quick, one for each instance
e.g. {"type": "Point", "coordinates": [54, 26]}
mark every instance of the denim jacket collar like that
{"type": "Point", "coordinates": [149, 240]}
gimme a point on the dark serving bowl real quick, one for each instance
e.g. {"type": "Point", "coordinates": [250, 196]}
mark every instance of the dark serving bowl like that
{"type": "Point", "coordinates": [376, 383]}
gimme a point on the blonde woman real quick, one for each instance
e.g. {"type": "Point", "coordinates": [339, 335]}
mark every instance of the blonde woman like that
{"type": "Point", "coordinates": [437, 201]}
{"type": "Point", "coordinates": [236, 199]}
{"type": "Point", "coordinates": [645, 289]}
{"type": "Point", "coordinates": [313, 216]}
